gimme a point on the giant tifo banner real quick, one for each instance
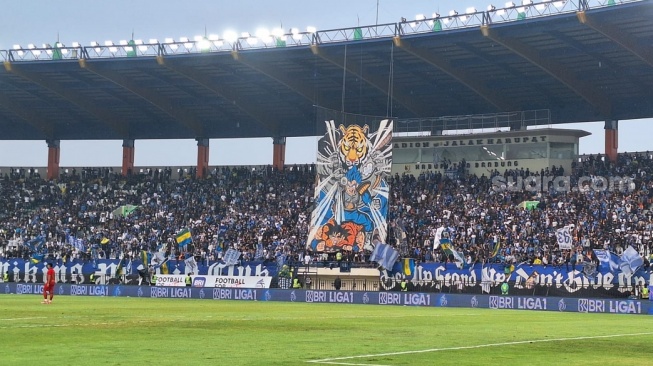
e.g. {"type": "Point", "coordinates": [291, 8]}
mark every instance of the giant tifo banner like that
{"type": "Point", "coordinates": [351, 191]}
{"type": "Point", "coordinates": [559, 304]}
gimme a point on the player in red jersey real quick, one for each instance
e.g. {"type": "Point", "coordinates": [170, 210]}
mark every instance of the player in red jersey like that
{"type": "Point", "coordinates": [48, 286]}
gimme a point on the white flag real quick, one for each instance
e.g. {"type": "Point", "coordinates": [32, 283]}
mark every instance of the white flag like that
{"type": "Point", "coordinates": [191, 265]}
{"type": "Point", "coordinates": [564, 237]}
{"type": "Point", "coordinates": [438, 236]}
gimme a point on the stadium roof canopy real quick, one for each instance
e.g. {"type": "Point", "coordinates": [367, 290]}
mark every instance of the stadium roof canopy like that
{"type": "Point", "coordinates": [582, 60]}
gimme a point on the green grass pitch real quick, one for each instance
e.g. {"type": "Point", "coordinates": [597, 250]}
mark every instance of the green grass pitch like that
{"type": "Point", "coordinates": [137, 331]}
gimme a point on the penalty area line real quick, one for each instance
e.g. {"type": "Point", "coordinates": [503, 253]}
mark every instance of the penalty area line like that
{"type": "Point", "coordinates": [27, 318]}
{"type": "Point", "coordinates": [334, 360]}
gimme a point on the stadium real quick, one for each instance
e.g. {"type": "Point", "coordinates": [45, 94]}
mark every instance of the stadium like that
{"type": "Point", "coordinates": [449, 216]}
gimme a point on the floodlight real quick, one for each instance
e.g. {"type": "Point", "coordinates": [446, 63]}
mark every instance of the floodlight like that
{"type": "Point", "coordinates": [106, 43]}
{"type": "Point", "coordinates": [491, 8]}
{"type": "Point", "coordinates": [169, 40]}
{"type": "Point", "coordinates": [230, 36]}
{"type": "Point", "coordinates": [153, 40]}
{"type": "Point", "coordinates": [510, 4]}
{"type": "Point", "coordinates": [540, 7]}
{"type": "Point", "coordinates": [76, 44]}
{"type": "Point", "coordinates": [252, 41]}
{"type": "Point", "coordinates": [138, 41]}
{"type": "Point", "coordinates": [295, 34]}
{"type": "Point", "coordinates": [245, 35]}
{"type": "Point", "coordinates": [36, 52]}
{"type": "Point", "coordinates": [204, 44]}
{"type": "Point", "coordinates": [559, 4]}
{"type": "Point", "coordinates": [278, 32]}
{"type": "Point", "coordinates": [64, 51]}
{"type": "Point", "coordinates": [142, 48]}
{"type": "Point", "coordinates": [470, 10]}
{"type": "Point", "coordinates": [527, 2]}
{"type": "Point", "coordinates": [262, 33]}
{"type": "Point", "coordinates": [59, 45]}
{"type": "Point", "coordinates": [453, 13]}
{"type": "Point", "coordinates": [113, 49]}
{"type": "Point", "coordinates": [311, 29]}
{"type": "Point", "coordinates": [122, 42]}
{"type": "Point", "coordinates": [420, 17]}
{"type": "Point", "coordinates": [436, 15]}
{"type": "Point", "coordinates": [31, 46]}
{"type": "Point", "coordinates": [17, 47]}
{"type": "Point", "coordinates": [183, 39]}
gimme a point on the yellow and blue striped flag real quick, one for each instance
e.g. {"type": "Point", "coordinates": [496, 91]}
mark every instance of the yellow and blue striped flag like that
{"type": "Point", "coordinates": [184, 238]}
{"type": "Point", "coordinates": [409, 266]}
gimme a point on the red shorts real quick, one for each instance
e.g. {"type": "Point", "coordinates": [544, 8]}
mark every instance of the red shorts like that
{"type": "Point", "coordinates": [49, 287]}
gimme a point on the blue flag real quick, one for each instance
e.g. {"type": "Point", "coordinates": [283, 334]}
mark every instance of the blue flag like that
{"type": "Point", "coordinates": [608, 260]}
{"type": "Point", "coordinates": [630, 261]}
{"type": "Point", "coordinates": [384, 255]}
{"type": "Point", "coordinates": [231, 257]}
{"type": "Point", "coordinates": [259, 251]}
{"type": "Point", "coordinates": [281, 260]}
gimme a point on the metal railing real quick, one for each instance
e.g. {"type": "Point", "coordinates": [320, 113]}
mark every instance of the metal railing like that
{"type": "Point", "coordinates": [436, 125]}
{"type": "Point", "coordinates": [294, 38]}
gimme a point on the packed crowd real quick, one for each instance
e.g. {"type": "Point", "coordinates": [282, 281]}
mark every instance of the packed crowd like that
{"type": "Point", "coordinates": [242, 207]}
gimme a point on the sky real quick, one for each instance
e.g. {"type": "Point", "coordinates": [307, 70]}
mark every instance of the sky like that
{"type": "Point", "coordinates": [83, 21]}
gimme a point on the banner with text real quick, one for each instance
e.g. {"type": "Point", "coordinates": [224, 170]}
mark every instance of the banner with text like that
{"type": "Point", "coordinates": [231, 281]}
{"type": "Point", "coordinates": [559, 304]}
{"type": "Point", "coordinates": [171, 280]}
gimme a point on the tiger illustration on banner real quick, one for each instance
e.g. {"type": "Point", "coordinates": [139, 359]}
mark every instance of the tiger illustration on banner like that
{"type": "Point", "coordinates": [351, 192]}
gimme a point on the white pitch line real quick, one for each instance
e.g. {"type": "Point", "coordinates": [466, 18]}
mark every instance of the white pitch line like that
{"type": "Point", "coordinates": [347, 363]}
{"type": "Point", "coordinates": [331, 360]}
{"type": "Point", "coordinates": [30, 318]}
{"type": "Point", "coordinates": [175, 319]}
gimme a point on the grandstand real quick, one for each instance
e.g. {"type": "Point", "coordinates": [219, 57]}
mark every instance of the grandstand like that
{"type": "Point", "coordinates": [514, 68]}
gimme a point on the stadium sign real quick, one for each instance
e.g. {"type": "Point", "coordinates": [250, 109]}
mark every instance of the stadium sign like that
{"type": "Point", "coordinates": [527, 303]}
{"type": "Point", "coordinates": [86, 290]}
{"type": "Point", "coordinates": [231, 281]}
{"type": "Point", "coordinates": [470, 142]}
{"type": "Point", "coordinates": [609, 306]}
{"type": "Point", "coordinates": [517, 302]}
{"type": "Point", "coordinates": [329, 296]}
{"type": "Point", "coordinates": [171, 280]}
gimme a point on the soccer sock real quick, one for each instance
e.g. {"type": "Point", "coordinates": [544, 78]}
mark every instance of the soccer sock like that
{"type": "Point", "coordinates": [51, 295]}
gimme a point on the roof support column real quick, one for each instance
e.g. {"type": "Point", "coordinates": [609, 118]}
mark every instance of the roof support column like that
{"type": "Point", "coordinates": [611, 139]}
{"type": "Point", "coordinates": [278, 153]}
{"type": "Point", "coordinates": [53, 159]}
{"type": "Point", "coordinates": [202, 158]}
{"type": "Point", "coordinates": [127, 157]}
